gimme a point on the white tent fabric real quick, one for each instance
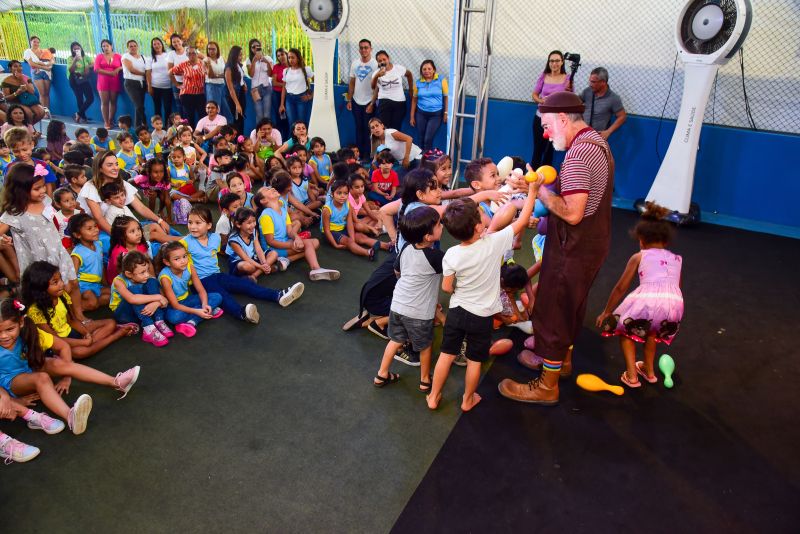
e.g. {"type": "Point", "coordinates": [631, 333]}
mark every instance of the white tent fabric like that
{"type": "Point", "coordinates": [153, 5]}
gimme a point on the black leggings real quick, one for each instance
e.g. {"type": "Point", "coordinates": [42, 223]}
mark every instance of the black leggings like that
{"type": "Point", "coordinates": [194, 107]}
{"type": "Point", "coordinates": [238, 121]}
{"type": "Point", "coordinates": [542, 148]}
{"type": "Point", "coordinates": [84, 96]}
{"type": "Point", "coordinates": [391, 113]}
{"type": "Point", "coordinates": [162, 103]}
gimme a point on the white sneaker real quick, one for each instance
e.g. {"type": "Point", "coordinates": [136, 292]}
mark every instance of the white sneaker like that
{"type": "Point", "coordinates": [79, 414]}
{"type": "Point", "coordinates": [12, 450]}
{"type": "Point", "coordinates": [251, 314]}
{"type": "Point", "coordinates": [291, 294]}
{"type": "Point", "coordinates": [324, 274]}
{"type": "Point", "coordinates": [283, 263]}
{"type": "Point", "coordinates": [42, 421]}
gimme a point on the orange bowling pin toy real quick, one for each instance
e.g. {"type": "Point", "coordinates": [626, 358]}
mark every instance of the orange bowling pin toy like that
{"type": "Point", "coordinates": [595, 383]}
{"type": "Point", "coordinates": [545, 171]}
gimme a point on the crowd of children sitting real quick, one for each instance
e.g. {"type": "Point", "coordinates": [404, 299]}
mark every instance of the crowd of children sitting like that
{"type": "Point", "coordinates": [71, 243]}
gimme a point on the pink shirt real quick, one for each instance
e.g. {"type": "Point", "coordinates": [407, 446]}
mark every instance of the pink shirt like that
{"type": "Point", "coordinates": [206, 125]}
{"type": "Point", "coordinates": [355, 205]}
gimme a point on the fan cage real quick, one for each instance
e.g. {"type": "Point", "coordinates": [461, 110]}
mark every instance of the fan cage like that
{"type": "Point", "coordinates": [695, 45]}
{"type": "Point", "coordinates": [326, 26]}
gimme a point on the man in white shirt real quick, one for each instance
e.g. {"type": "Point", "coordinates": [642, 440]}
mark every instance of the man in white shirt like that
{"type": "Point", "coordinates": [361, 99]}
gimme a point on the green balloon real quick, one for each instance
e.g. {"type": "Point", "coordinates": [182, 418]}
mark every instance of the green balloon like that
{"type": "Point", "coordinates": [667, 366]}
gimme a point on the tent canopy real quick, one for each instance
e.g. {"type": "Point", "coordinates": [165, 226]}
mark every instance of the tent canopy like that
{"type": "Point", "coordinates": [153, 5]}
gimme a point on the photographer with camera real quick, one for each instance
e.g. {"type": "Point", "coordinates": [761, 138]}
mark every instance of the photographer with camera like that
{"type": "Point", "coordinates": [553, 79]}
{"type": "Point", "coordinates": [391, 97]}
{"type": "Point", "coordinates": [601, 103]}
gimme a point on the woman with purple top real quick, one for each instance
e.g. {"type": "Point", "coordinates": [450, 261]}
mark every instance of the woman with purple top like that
{"type": "Point", "coordinates": [553, 79]}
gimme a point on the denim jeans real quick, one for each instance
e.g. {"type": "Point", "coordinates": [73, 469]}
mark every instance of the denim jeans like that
{"type": "Point", "coordinates": [176, 105]}
{"type": "Point", "coordinates": [428, 123]}
{"type": "Point", "coordinates": [264, 106]}
{"type": "Point", "coordinates": [192, 301]}
{"type": "Point", "coordinates": [132, 313]}
{"type": "Point", "coordinates": [218, 92]}
{"type": "Point", "coordinates": [361, 118]}
{"type": "Point", "coordinates": [238, 121]}
{"type": "Point", "coordinates": [297, 109]}
{"type": "Point", "coordinates": [225, 284]}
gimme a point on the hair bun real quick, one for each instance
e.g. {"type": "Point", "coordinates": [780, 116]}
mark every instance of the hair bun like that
{"type": "Point", "coordinates": [654, 212]}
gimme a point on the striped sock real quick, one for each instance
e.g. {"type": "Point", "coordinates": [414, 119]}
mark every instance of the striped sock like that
{"type": "Point", "coordinates": [551, 366]}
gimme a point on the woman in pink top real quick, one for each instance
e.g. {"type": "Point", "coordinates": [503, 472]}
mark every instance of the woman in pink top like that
{"type": "Point", "coordinates": [108, 65]}
{"type": "Point", "coordinates": [553, 79]}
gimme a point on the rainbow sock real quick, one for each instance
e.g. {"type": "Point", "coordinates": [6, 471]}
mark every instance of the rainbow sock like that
{"type": "Point", "coordinates": [551, 366]}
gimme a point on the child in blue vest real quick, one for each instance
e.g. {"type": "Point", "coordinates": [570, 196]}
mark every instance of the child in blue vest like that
{"type": "Point", "coordinates": [338, 224]}
{"type": "Point", "coordinates": [87, 256]}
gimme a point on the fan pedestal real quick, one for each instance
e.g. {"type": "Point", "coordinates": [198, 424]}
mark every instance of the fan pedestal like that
{"type": "Point", "coordinates": [672, 187]}
{"type": "Point", "coordinates": [323, 110]}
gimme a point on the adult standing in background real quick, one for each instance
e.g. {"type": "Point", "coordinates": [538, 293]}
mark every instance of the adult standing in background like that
{"type": "Point", "coordinates": [134, 72]}
{"type": "Point", "coordinates": [552, 80]}
{"type": "Point", "coordinates": [80, 81]}
{"type": "Point", "coordinates": [259, 68]}
{"type": "Point", "coordinates": [41, 62]}
{"type": "Point", "coordinates": [107, 65]}
{"type": "Point", "coordinates": [602, 104]}
{"type": "Point", "coordinates": [429, 94]}
{"type": "Point", "coordinates": [215, 79]}
{"type": "Point", "coordinates": [296, 96]}
{"type": "Point", "coordinates": [362, 99]}
{"type": "Point", "coordinates": [388, 79]}
{"type": "Point", "coordinates": [234, 81]}
{"type": "Point", "coordinates": [159, 83]}
{"type": "Point", "coordinates": [193, 87]}
{"type": "Point", "coordinates": [278, 118]}
{"type": "Point", "coordinates": [175, 57]}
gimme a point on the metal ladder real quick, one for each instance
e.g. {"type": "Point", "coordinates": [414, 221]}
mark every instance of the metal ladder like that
{"type": "Point", "coordinates": [465, 69]}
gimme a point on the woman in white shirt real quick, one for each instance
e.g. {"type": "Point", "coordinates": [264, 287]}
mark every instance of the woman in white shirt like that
{"type": "Point", "coordinates": [215, 79]}
{"type": "Point", "coordinates": [134, 71]}
{"type": "Point", "coordinates": [401, 145]}
{"type": "Point", "coordinates": [158, 82]}
{"type": "Point", "coordinates": [41, 63]}
{"type": "Point", "coordinates": [391, 97]}
{"type": "Point", "coordinates": [296, 95]}
{"type": "Point", "coordinates": [175, 57]}
{"type": "Point", "coordinates": [259, 68]}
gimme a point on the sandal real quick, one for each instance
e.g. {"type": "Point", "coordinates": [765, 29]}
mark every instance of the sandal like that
{"type": "Point", "coordinates": [625, 380]}
{"type": "Point", "coordinates": [385, 381]}
{"type": "Point", "coordinates": [640, 370]}
{"type": "Point", "coordinates": [425, 387]}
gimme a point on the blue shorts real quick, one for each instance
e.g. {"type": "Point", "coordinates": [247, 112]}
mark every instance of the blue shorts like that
{"type": "Point", "coordinates": [42, 75]}
{"type": "Point", "coordinates": [94, 287]}
{"type": "Point", "coordinates": [338, 235]}
{"type": "Point", "coordinates": [5, 380]}
{"type": "Point", "coordinates": [282, 252]}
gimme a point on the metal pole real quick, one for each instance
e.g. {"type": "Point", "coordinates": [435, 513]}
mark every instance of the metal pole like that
{"type": "Point", "coordinates": [25, 21]}
{"type": "Point", "coordinates": [208, 27]}
{"type": "Point", "coordinates": [108, 22]}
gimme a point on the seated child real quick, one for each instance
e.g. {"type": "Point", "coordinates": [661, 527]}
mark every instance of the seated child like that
{"type": "Point", "coordinates": [245, 255]}
{"type": "Point", "coordinates": [278, 234]}
{"type": "Point", "coordinates": [472, 275]}
{"type": "Point", "coordinates": [368, 220]}
{"type": "Point", "coordinates": [183, 189]}
{"type": "Point", "coordinates": [101, 141]}
{"type": "Point", "coordinates": [125, 123]}
{"type": "Point", "coordinates": [384, 180]}
{"type": "Point", "coordinates": [514, 278]}
{"type": "Point", "coordinates": [301, 189]}
{"type": "Point", "coordinates": [228, 204]}
{"type": "Point", "coordinates": [113, 195]}
{"type": "Point", "coordinates": [155, 186]}
{"type": "Point", "coordinates": [26, 367]}
{"type": "Point", "coordinates": [136, 298]}
{"type": "Point", "coordinates": [186, 310]}
{"type": "Point", "coordinates": [126, 157]}
{"type": "Point", "coordinates": [320, 160]}
{"type": "Point", "coordinates": [87, 257]}
{"type": "Point", "coordinates": [67, 207]}
{"type": "Point", "coordinates": [416, 294]}
{"type": "Point", "coordinates": [50, 308]}
{"type": "Point", "coordinates": [338, 224]}
{"type": "Point", "coordinates": [159, 134]}
{"type": "Point", "coordinates": [146, 148]}
{"type": "Point", "coordinates": [75, 178]}
{"type": "Point", "coordinates": [127, 235]}
{"type": "Point", "coordinates": [282, 182]}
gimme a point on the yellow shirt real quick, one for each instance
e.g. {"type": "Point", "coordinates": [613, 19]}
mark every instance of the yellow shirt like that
{"type": "Point", "coordinates": [58, 322]}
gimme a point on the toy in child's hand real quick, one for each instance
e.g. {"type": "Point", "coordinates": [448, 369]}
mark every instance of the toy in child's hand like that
{"type": "Point", "coordinates": [505, 166]}
{"type": "Point", "coordinates": [667, 366]}
{"type": "Point", "coordinates": [500, 347]}
{"type": "Point", "coordinates": [595, 383]}
{"type": "Point", "coordinates": [547, 172]}
{"type": "Point", "coordinates": [539, 209]}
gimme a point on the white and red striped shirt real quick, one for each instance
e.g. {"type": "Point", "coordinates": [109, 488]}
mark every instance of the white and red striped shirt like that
{"type": "Point", "coordinates": [194, 77]}
{"type": "Point", "coordinates": [585, 170]}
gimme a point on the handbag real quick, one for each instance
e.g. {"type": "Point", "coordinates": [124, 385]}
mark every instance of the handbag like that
{"type": "Point", "coordinates": [28, 99]}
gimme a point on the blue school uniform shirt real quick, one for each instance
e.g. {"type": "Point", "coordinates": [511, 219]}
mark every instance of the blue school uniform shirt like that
{"type": "Point", "coordinates": [178, 177]}
{"type": "Point", "coordinates": [203, 257]}
{"type": "Point", "coordinates": [98, 145]}
{"type": "Point", "coordinates": [91, 267]}
{"type": "Point", "coordinates": [116, 298]}
{"type": "Point", "coordinates": [14, 361]}
{"type": "Point", "coordinates": [338, 216]}
{"type": "Point", "coordinates": [126, 161]}
{"type": "Point", "coordinates": [4, 163]}
{"type": "Point", "coordinates": [323, 166]}
{"type": "Point", "coordinates": [49, 178]}
{"type": "Point", "coordinates": [249, 249]}
{"type": "Point", "coordinates": [146, 153]}
{"type": "Point", "coordinates": [300, 191]}
{"type": "Point", "coordinates": [275, 223]}
{"type": "Point", "coordinates": [180, 283]}
{"type": "Point", "coordinates": [430, 95]}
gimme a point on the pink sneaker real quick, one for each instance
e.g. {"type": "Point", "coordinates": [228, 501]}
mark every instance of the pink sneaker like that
{"type": "Point", "coordinates": [155, 337]}
{"type": "Point", "coordinates": [42, 421]}
{"type": "Point", "coordinates": [125, 381]}
{"type": "Point", "coordinates": [164, 329]}
{"type": "Point", "coordinates": [12, 450]}
{"type": "Point", "coordinates": [187, 329]}
{"type": "Point", "coordinates": [216, 313]}
{"type": "Point", "coordinates": [79, 414]}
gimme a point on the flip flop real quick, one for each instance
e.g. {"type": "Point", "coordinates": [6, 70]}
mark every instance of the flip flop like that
{"type": "Point", "coordinates": [640, 371]}
{"type": "Point", "coordinates": [385, 381]}
{"type": "Point", "coordinates": [624, 379]}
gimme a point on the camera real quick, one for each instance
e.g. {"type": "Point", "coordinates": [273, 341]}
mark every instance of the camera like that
{"type": "Point", "coordinates": [382, 65]}
{"type": "Point", "coordinates": [575, 58]}
{"type": "Point", "coordinates": [258, 49]}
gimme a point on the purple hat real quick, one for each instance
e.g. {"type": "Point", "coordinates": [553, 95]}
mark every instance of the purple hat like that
{"type": "Point", "coordinates": [562, 102]}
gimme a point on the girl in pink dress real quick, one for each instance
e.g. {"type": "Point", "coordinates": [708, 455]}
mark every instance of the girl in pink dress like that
{"type": "Point", "coordinates": [652, 313]}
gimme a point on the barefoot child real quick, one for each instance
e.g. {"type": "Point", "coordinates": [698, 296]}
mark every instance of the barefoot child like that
{"type": "Point", "coordinates": [652, 313]}
{"type": "Point", "coordinates": [416, 294]}
{"type": "Point", "coordinates": [472, 275]}
{"type": "Point", "coordinates": [51, 310]}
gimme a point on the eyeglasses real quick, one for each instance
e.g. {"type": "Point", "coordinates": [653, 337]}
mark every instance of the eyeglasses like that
{"type": "Point", "coordinates": [554, 61]}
